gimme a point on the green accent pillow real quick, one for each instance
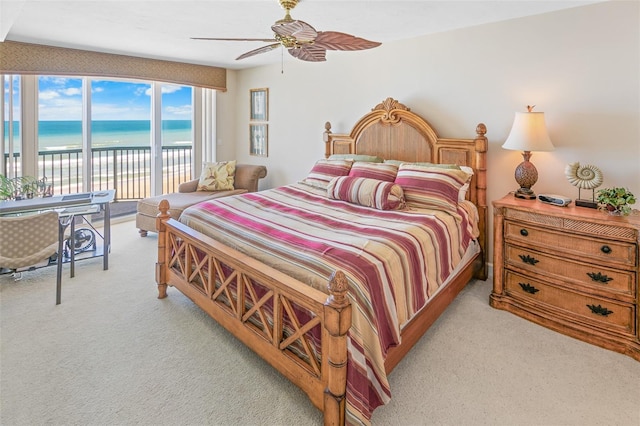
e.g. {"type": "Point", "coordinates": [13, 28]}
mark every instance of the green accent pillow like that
{"type": "Point", "coordinates": [357, 157]}
{"type": "Point", "coordinates": [442, 166]}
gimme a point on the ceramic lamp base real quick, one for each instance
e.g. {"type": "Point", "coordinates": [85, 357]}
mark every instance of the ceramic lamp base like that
{"type": "Point", "coordinates": [526, 175]}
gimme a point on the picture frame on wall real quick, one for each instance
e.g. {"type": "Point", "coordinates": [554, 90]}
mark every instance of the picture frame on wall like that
{"type": "Point", "coordinates": [259, 104]}
{"type": "Point", "coordinates": [259, 140]}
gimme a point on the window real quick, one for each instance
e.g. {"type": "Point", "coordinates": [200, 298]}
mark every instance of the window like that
{"type": "Point", "coordinates": [95, 133]}
{"type": "Point", "coordinates": [60, 133]}
{"type": "Point", "coordinates": [177, 135]}
{"type": "Point", "coordinates": [121, 136]}
{"type": "Point", "coordinates": [99, 133]}
{"type": "Point", "coordinates": [11, 141]}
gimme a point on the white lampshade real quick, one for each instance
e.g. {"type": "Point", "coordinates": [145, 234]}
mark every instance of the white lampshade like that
{"type": "Point", "coordinates": [529, 133]}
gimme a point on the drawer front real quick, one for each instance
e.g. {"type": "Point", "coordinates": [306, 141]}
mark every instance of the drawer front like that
{"type": "Point", "coordinates": [604, 280]}
{"type": "Point", "coordinates": [600, 312]}
{"type": "Point", "coordinates": [580, 248]}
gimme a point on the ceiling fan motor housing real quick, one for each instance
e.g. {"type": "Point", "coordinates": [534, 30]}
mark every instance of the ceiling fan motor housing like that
{"type": "Point", "coordinates": [288, 4]}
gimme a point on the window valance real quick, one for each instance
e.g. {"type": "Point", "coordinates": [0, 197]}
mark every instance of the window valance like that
{"type": "Point", "coordinates": [27, 58]}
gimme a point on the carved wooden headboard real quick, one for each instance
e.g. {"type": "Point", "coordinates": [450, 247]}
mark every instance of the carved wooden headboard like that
{"type": "Point", "coordinates": [391, 131]}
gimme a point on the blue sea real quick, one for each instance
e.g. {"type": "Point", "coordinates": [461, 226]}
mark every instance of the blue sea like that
{"type": "Point", "coordinates": [60, 135]}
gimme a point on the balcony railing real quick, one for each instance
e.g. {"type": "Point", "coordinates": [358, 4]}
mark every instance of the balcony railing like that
{"type": "Point", "coordinates": [125, 169]}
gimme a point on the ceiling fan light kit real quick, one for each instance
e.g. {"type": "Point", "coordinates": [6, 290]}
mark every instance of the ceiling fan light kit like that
{"type": "Point", "coordinates": [302, 40]}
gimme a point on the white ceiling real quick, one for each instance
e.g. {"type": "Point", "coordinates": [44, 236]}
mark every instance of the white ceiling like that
{"type": "Point", "coordinates": [162, 29]}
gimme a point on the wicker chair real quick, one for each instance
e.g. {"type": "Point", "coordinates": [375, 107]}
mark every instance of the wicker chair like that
{"type": "Point", "coordinates": [28, 240]}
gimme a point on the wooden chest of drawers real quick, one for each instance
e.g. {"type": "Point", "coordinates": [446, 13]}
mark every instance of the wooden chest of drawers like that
{"type": "Point", "coordinates": [571, 269]}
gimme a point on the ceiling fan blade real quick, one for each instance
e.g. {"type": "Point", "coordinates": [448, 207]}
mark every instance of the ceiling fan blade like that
{"type": "Point", "coordinates": [309, 53]}
{"type": "Point", "coordinates": [266, 40]}
{"type": "Point", "coordinates": [263, 49]}
{"type": "Point", "coordinates": [333, 40]}
{"type": "Point", "coordinates": [299, 30]}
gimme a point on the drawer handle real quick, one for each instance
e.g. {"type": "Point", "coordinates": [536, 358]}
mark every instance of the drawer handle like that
{"type": "Point", "coordinates": [605, 249]}
{"type": "Point", "coordinates": [599, 310]}
{"type": "Point", "coordinates": [599, 277]}
{"type": "Point", "coordinates": [524, 232]}
{"type": "Point", "coordinates": [528, 259]}
{"type": "Point", "coordinates": [529, 288]}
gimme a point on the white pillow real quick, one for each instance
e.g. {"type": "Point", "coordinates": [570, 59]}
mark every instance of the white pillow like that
{"type": "Point", "coordinates": [462, 195]}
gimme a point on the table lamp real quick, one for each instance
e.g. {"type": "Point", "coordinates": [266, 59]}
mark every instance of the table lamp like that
{"type": "Point", "coordinates": [529, 133]}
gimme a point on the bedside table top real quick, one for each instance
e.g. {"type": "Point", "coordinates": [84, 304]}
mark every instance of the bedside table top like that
{"type": "Point", "coordinates": [570, 211]}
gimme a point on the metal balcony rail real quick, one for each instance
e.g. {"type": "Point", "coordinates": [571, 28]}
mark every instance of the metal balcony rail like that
{"type": "Point", "coordinates": [125, 169]}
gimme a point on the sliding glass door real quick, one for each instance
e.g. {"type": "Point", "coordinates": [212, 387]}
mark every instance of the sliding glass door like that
{"type": "Point", "coordinates": [60, 133]}
{"type": "Point", "coordinates": [84, 134]}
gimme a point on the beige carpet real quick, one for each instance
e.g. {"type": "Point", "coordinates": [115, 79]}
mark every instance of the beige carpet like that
{"type": "Point", "coordinates": [113, 354]}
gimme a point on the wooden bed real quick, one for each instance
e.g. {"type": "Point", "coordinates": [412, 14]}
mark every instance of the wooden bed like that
{"type": "Point", "coordinates": [239, 289]}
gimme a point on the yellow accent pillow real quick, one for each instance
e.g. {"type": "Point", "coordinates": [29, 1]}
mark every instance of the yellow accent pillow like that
{"type": "Point", "coordinates": [217, 176]}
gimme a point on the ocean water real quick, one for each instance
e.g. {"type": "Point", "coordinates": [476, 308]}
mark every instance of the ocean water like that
{"type": "Point", "coordinates": [61, 135]}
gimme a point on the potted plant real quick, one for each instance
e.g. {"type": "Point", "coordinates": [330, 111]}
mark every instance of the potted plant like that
{"type": "Point", "coordinates": [28, 186]}
{"type": "Point", "coordinates": [19, 188]}
{"type": "Point", "coordinates": [615, 200]}
{"type": "Point", "coordinates": [7, 188]}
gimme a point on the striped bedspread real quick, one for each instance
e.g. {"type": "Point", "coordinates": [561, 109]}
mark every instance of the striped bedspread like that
{"type": "Point", "coordinates": [394, 260]}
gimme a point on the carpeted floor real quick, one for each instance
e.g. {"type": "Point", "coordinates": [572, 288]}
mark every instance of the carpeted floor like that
{"type": "Point", "coordinates": [113, 354]}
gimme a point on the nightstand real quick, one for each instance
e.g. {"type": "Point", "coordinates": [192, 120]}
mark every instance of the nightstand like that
{"type": "Point", "coordinates": [572, 269]}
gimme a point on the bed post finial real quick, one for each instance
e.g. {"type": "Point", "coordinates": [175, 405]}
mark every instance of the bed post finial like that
{"type": "Point", "coordinates": [337, 315]}
{"type": "Point", "coordinates": [338, 287]}
{"type": "Point", "coordinates": [161, 271]}
{"type": "Point", "coordinates": [481, 129]}
{"type": "Point", "coordinates": [325, 138]}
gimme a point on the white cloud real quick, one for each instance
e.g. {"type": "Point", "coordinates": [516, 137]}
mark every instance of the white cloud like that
{"type": "Point", "coordinates": [71, 91]}
{"type": "Point", "coordinates": [170, 88]}
{"type": "Point", "coordinates": [46, 95]}
{"type": "Point", "coordinates": [60, 108]}
{"type": "Point", "coordinates": [105, 111]}
{"type": "Point", "coordinates": [58, 81]}
{"type": "Point", "coordinates": [165, 89]}
{"type": "Point", "coordinates": [179, 110]}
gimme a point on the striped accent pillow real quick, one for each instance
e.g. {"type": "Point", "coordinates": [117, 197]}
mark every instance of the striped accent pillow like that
{"type": "Point", "coordinates": [379, 171]}
{"type": "Point", "coordinates": [374, 193]}
{"type": "Point", "coordinates": [431, 187]}
{"type": "Point", "coordinates": [325, 170]}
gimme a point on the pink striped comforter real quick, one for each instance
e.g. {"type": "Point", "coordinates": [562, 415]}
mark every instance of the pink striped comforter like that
{"type": "Point", "coordinates": [395, 260]}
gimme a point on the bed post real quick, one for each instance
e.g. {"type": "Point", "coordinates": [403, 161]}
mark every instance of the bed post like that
{"type": "Point", "coordinates": [481, 195]}
{"type": "Point", "coordinates": [325, 138]}
{"type": "Point", "coordinates": [161, 270]}
{"type": "Point", "coordinates": [337, 321]}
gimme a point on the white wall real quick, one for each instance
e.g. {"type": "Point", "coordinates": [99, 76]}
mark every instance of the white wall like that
{"type": "Point", "coordinates": [580, 66]}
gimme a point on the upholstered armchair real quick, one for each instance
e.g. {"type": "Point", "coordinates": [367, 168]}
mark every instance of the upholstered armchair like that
{"type": "Point", "coordinates": [28, 240]}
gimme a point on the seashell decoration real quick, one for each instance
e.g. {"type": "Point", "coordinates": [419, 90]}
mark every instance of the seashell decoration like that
{"type": "Point", "coordinates": [584, 177]}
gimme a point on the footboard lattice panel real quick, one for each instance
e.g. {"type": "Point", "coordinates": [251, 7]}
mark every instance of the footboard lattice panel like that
{"type": "Point", "coordinates": [280, 318]}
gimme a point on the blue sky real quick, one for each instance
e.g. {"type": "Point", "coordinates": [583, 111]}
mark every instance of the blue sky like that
{"type": "Point", "coordinates": [61, 99]}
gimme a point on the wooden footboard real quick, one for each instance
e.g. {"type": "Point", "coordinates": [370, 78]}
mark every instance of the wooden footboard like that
{"type": "Point", "coordinates": [271, 313]}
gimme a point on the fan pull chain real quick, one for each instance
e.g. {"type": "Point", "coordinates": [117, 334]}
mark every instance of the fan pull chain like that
{"type": "Point", "coordinates": [281, 59]}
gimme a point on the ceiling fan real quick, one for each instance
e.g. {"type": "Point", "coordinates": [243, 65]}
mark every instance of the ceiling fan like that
{"type": "Point", "coordinates": [301, 39]}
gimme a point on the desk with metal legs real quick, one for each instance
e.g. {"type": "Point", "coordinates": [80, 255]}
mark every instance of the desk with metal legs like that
{"type": "Point", "coordinates": [68, 207]}
{"type": "Point", "coordinates": [67, 219]}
